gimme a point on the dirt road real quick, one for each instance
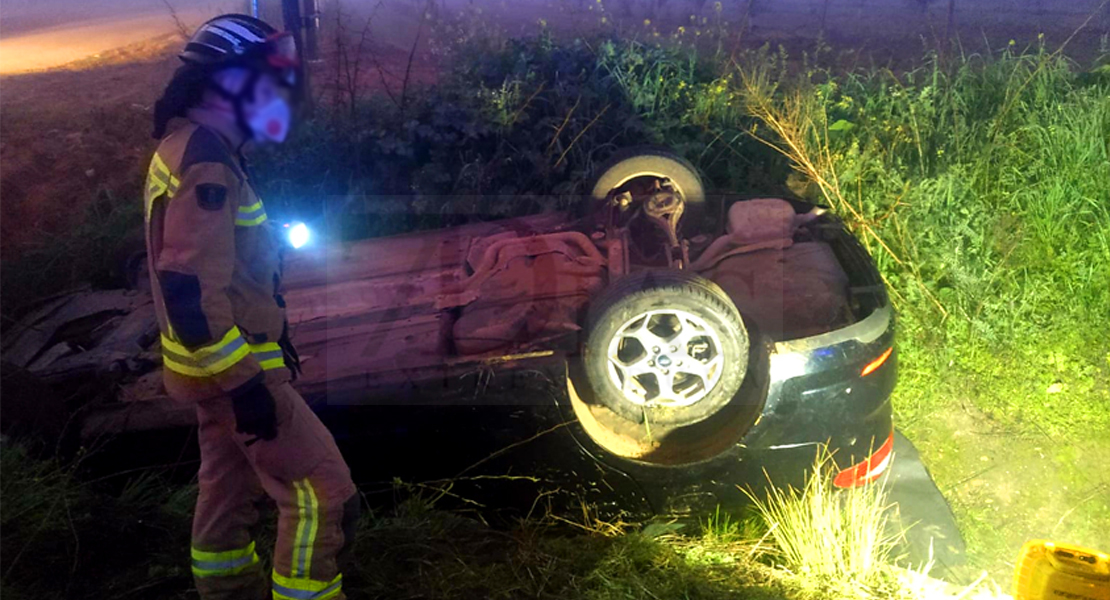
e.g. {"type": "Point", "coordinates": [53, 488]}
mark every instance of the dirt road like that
{"type": "Point", "coordinates": [41, 34]}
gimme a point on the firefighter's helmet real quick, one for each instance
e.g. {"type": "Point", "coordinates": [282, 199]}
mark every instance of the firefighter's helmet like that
{"type": "Point", "coordinates": [224, 42]}
{"type": "Point", "coordinates": [241, 40]}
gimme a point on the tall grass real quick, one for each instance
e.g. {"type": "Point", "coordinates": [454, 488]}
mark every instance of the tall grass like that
{"type": "Point", "coordinates": [834, 539]}
{"type": "Point", "coordinates": [983, 189]}
{"type": "Point", "coordinates": [66, 537]}
{"type": "Point", "coordinates": [94, 250]}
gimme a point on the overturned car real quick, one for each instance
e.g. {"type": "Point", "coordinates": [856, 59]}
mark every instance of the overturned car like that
{"type": "Point", "coordinates": [688, 343]}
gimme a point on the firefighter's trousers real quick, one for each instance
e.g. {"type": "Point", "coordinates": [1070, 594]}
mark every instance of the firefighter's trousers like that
{"type": "Point", "coordinates": [304, 473]}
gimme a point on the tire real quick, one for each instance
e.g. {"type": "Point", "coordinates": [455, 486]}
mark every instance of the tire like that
{"type": "Point", "coordinates": [630, 163]}
{"type": "Point", "coordinates": [631, 332]}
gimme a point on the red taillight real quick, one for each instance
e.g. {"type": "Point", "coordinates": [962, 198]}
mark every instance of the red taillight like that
{"type": "Point", "coordinates": [878, 362]}
{"type": "Point", "coordinates": [868, 470]}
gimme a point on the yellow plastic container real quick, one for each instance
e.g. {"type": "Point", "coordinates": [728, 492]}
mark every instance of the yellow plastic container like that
{"type": "Point", "coordinates": [1053, 571]}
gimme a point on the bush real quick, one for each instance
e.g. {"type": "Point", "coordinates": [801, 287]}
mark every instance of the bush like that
{"type": "Point", "coordinates": [512, 129]}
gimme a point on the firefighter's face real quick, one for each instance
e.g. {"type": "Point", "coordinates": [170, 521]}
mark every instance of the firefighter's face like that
{"type": "Point", "coordinates": [266, 91]}
{"type": "Point", "coordinates": [265, 109]}
{"type": "Point", "coordinates": [268, 112]}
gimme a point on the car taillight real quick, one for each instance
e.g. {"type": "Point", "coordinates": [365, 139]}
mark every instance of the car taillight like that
{"type": "Point", "coordinates": [868, 470]}
{"type": "Point", "coordinates": [878, 362]}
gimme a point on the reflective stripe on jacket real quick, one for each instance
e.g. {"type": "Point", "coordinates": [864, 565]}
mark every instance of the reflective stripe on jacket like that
{"type": "Point", "coordinates": [215, 267]}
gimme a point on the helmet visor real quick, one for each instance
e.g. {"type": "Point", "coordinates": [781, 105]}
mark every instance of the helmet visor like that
{"type": "Point", "coordinates": [281, 51]}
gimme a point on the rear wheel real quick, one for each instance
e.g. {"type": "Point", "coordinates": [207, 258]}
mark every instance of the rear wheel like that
{"type": "Point", "coordinates": [640, 170]}
{"type": "Point", "coordinates": [665, 347]}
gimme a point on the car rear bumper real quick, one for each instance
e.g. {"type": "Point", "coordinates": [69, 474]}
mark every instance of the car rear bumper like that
{"type": "Point", "coordinates": [818, 392]}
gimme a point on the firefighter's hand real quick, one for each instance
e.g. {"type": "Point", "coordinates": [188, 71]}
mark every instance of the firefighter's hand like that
{"type": "Point", "coordinates": [255, 412]}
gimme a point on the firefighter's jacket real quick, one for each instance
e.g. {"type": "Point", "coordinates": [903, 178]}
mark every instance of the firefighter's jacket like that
{"type": "Point", "coordinates": [215, 268]}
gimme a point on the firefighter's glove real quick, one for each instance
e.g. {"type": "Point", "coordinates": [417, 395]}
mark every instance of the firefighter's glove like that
{"type": "Point", "coordinates": [255, 412]}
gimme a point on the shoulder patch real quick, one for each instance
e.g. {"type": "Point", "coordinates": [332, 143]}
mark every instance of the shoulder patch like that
{"type": "Point", "coordinates": [205, 146]}
{"type": "Point", "coordinates": [211, 196]}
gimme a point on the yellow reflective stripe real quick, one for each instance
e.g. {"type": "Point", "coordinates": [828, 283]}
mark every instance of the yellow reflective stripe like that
{"type": "Point", "coordinates": [249, 216]}
{"type": "Point", "coordinates": [314, 526]}
{"type": "Point", "coordinates": [184, 368]}
{"type": "Point", "coordinates": [303, 588]}
{"type": "Point", "coordinates": [307, 523]}
{"type": "Point", "coordinates": [269, 355]}
{"type": "Point", "coordinates": [222, 564]}
{"type": "Point", "coordinates": [159, 180]}
{"type": "Point", "coordinates": [272, 363]}
{"type": "Point", "coordinates": [154, 188]}
{"type": "Point", "coordinates": [229, 337]}
{"type": "Point", "coordinates": [225, 555]}
{"type": "Point", "coordinates": [205, 362]}
{"type": "Point", "coordinates": [260, 219]}
{"type": "Point", "coordinates": [158, 167]}
{"type": "Point", "coordinates": [297, 550]}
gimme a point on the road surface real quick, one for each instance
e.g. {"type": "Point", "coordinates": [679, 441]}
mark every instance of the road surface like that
{"type": "Point", "coordinates": [41, 34]}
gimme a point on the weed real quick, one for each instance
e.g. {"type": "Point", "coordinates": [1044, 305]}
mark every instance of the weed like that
{"type": "Point", "coordinates": [94, 251]}
{"type": "Point", "coordinates": [65, 538]}
{"type": "Point", "coordinates": [828, 537]}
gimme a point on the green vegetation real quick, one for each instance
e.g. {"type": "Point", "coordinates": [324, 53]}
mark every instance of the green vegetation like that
{"type": "Point", "coordinates": [94, 251]}
{"type": "Point", "coordinates": [981, 188]}
{"type": "Point", "coordinates": [839, 541]}
{"type": "Point", "coordinates": [72, 192]}
{"type": "Point", "coordinates": [65, 537]}
{"type": "Point", "coordinates": [68, 537]}
{"type": "Point", "coordinates": [513, 128]}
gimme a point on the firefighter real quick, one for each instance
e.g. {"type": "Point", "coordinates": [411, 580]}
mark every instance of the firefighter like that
{"type": "Point", "coordinates": [215, 267]}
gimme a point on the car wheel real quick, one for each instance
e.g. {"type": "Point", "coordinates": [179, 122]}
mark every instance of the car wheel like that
{"type": "Point", "coordinates": [666, 347]}
{"type": "Point", "coordinates": [627, 167]}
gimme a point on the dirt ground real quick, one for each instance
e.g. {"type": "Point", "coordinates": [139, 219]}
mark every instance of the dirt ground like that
{"type": "Point", "coordinates": [68, 135]}
{"type": "Point", "coordinates": [1007, 487]}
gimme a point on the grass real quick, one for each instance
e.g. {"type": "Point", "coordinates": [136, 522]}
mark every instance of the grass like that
{"type": "Point", "coordinates": [980, 188]}
{"type": "Point", "coordinates": [67, 536]}
{"type": "Point", "coordinates": [978, 182]}
{"type": "Point", "coordinates": [841, 539]}
{"type": "Point", "coordinates": [91, 252]}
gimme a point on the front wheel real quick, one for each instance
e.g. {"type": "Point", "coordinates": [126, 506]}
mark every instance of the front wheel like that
{"type": "Point", "coordinates": [666, 347]}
